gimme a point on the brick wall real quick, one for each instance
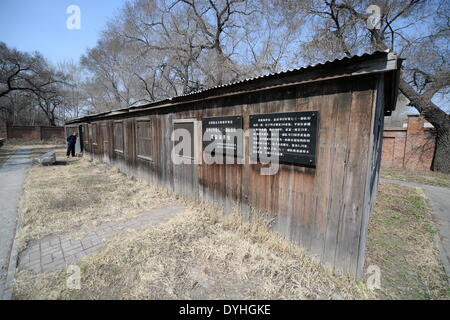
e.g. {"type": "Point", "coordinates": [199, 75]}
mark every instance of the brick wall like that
{"type": "Point", "coordinates": [48, 133]}
{"type": "Point", "coordinates": [24, 132]}
{"type": "Point", "coordinates": [411, 147]}
{"type": "Point", "coordinates": [31, 132]}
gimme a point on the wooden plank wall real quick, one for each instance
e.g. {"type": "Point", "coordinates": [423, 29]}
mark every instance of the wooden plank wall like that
{"type": "Point", "coordinates": [374, 167]}
{"type": "Point", "coordinates": [323, 209]}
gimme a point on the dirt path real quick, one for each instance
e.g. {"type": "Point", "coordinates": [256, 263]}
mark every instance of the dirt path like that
{"type": "Point", "coordinates": [439, 198]}
{"type": "Point", "coordinates": [12, 176]}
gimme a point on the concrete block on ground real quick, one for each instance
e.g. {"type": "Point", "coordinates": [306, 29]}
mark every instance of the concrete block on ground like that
{"type": "Point", "coordinates": [47, 158]}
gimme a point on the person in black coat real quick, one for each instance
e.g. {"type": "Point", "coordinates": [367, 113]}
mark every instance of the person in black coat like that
{"type": "Point", "coordinates": [71, 140]}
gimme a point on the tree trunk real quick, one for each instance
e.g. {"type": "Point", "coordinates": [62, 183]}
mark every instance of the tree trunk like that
{"type": "Point", "coordinates": [52, 120]}
{"type": "Point", "coordinates": [441, 160]}
{"type": "Point", "coordinates": [439, 119]}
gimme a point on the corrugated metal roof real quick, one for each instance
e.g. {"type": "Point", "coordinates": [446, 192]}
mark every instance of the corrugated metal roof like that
{"type": "Point", "coordinates": [342, 58]}
{"type": "Point", "coordinates": [231, 84]}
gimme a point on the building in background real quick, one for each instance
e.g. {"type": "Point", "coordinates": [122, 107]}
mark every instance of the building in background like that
{"type": "Point", "coordinates": [409, 143]}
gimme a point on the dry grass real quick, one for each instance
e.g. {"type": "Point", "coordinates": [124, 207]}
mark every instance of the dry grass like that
{"type": "Point", "coordinates": [197, 255]}
{"type": "Point", "coordinates": [200, 254]}
{"type": "Point", "coordinates": [49, 142]}
{"type": "Point", "coordinates": [417, 176]}
{"type": "Point", "coordinates": [401, 242]}
{"type": "Point", "coordinates": [61, 198]}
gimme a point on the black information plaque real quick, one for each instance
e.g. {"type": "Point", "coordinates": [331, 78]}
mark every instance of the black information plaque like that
{"type": "Point", "coordinates": [226, 131]}
{"type": "Point", "coordinates": [297, 136]}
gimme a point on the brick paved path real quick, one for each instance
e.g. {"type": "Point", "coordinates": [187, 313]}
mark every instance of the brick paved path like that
{"type": "Point", "coordinates": [55, 252]}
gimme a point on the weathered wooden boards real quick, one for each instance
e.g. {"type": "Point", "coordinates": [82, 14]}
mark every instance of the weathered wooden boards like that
{"type": "Point", "coordinates": [324, 209]}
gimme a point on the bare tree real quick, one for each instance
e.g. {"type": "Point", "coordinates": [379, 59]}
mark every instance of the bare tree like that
{"type": "Point", "coordinates": [21, 71]}
{"type": "Point", "coordinates": [49, 104]}
{"type": "Point", "coordinates": [156, 49]}
{"type": "Point", "coordinates": [28, 84]}
{"type": "Point", "coordinates": [74, 97]}
{"type": "Point", "coordinates": [20, 108]}
{"type": "Point", "coordinates": [416, 29]}
{"type": "Point", "coordinates": [167, 48]}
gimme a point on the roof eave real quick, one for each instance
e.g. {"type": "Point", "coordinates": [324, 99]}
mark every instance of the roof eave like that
{"type": "Point", "coordinates": [378, 62]}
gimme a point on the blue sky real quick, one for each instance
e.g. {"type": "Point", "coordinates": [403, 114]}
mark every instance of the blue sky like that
{"type": "Point", "coordinates": [30, 25]}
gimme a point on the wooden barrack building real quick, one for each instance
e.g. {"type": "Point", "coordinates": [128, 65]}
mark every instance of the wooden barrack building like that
{"type": "Point", "coordinates": [320, 198]}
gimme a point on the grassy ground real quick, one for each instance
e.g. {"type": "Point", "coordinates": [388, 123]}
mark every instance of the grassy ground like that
{"type": "Point", "coordinates": [197, 255]}
{"type": "Point", "coordinates": [201, 255]}
{"type": "Point", "coordinates": [424, 177]}
{"type": "Point", "coordinates": [62, 198]}
{"type": "Point", "coordinates": [401, 242]}
{"type": "Point", "coordinates": [24, 143]}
